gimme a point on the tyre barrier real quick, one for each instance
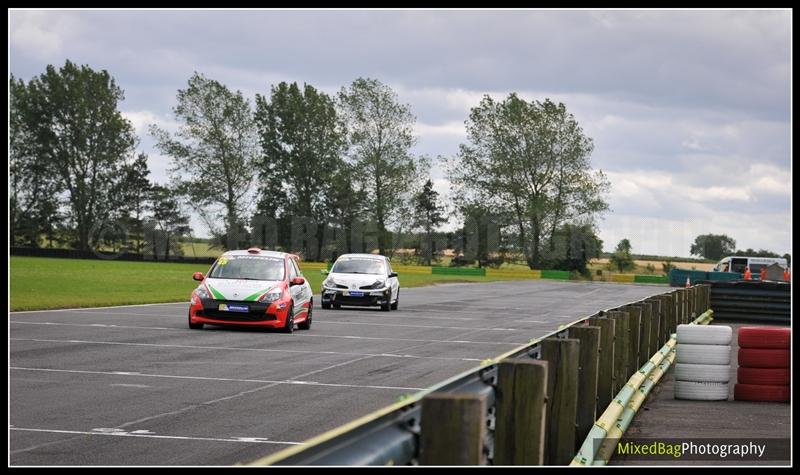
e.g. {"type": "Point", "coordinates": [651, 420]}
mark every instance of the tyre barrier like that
{"type": "Point", "coordinates": [704, 354]}
{"type": "Point", "coordinates": [701, 391]}
{"type": "Point", "coordinates": [702, 373]}
{"type": "Point", "coordinates": [764, 337]}
{"type": "Point", "coordinates": [761, 393]}
{"type": "Point", "coordinates": [765, 376]}
{"type": "Point", "coordinates": [764, 360]}
{"type": "Point", "coordinates": [704, 359]}
{"type": "Point", "coordinates": [704, 335]}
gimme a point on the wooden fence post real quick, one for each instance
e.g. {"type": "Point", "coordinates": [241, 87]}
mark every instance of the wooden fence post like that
{"type": "Point", "coordinates": [622, 331]}
{"type": "Point", "coordinates": [605, 373]}
{"type": "Point", "coordinates": [588, 366]}
{"type": "Point", "coordinates": [520, 417]}
{"type": "Point", "coordinates": [657, 306]}
{"type": "Point", "coordinates": [452, 429]}
{"type": "Point", "coordinates": [635, 316]}
{"type": "Point", "coordinates": [645, 333]}
{"type": "Point", "coordinates": [561, 355]}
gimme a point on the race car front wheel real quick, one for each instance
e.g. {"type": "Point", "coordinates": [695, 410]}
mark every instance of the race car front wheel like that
{"type": "Point", "coordinates": [396, 301]}
{"type": "Point", "coordinates": [306, 325]}
{"type": "Point", "coordinates": [289, 326]}
{"type": "Point", "coordinates": [194, 326]}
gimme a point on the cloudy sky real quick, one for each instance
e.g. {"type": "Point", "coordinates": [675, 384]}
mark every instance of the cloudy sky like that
{"type": "Point", "coordinates": [689, 110]}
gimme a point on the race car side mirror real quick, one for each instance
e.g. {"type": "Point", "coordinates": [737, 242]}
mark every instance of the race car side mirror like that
{"type": "Point", "coordinates": [393, 274]}
{"type": "Point", "coordinates": [297, 281]}
{"type": "Point", "coordinates": [198, 276]}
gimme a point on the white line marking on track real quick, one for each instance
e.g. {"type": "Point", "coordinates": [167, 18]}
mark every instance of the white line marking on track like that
{"type": "Point", "coordinates": [281, 335]}
{"type": "Point", "coordinates": [100, 308]}
{"type": "Point", "coordinates": [236, 395]}
{"type": "Point", "coordinates": [224, 348]}
{"type": "Point", "coordinates": [130, 385]}
{"type": "Point", "coordinates": [205, 378]}
{"type": "Point", "coordinates": [415, 326]}
{"type": "Point", "coordinates": [121, 433]}
{"type": "Point", "coordinates": [327, 322]}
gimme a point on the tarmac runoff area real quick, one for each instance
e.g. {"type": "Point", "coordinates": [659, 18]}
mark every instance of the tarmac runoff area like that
{"type": "Point", "coordinates": [135, 386]}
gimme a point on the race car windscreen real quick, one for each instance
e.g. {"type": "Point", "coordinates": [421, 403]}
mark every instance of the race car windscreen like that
{"type": "Point", "coordinates": [248, 268]}
{"type": "Point", "coordinates": [359, 266]}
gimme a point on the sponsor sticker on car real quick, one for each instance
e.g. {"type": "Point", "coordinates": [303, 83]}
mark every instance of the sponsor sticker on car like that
{"type": "Point", "coordinates": [233, 308]}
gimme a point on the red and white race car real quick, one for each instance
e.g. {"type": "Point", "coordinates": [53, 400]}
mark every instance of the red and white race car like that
{"type": "Point", "coordinates": [252, 288]}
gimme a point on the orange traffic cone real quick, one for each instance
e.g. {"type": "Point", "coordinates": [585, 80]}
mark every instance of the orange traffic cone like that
{"type": "Point", "coordinates": [763, 274]}
{"type": "Point", "coordinates": [688, 282]}
{"type": "Point", "coordinates": [747, 274]}
{"type": "Point", "coordinates": [786, 274]}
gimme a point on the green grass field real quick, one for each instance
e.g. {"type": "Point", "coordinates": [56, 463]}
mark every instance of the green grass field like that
{"type": "Point", "coordinates": [42, 283]}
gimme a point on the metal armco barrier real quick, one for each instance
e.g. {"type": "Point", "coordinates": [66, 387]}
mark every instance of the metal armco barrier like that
{"type": "Point", "coordinates": [752, 301]}
{"type": "Point", "coordinates": [529, 383]}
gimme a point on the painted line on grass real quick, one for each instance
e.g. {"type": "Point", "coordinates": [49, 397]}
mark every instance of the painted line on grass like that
{"type": "Point", "coordinates": [204, 378]}
{"type": "Point", "coordinates": [121, 433]}
{"type": "Point", "coordinates": [228, 348]}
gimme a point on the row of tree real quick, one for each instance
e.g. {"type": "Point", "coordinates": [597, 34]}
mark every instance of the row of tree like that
{"type": "Point", "coordinates": [717, 246]}
{"type": "Point", "coordinates": [301, 154]}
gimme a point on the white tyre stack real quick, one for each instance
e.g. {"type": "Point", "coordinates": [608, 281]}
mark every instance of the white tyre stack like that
{"type": "Point", "coordinates": [703, 362]}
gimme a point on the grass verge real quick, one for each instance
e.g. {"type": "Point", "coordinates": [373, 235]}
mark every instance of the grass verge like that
{"type": "Point", "coordinates": [39, 283]}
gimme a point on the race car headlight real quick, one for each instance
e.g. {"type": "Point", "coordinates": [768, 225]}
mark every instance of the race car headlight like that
{"type": "Point", "coordinates": [379, 284]}
{"type": "Point", "coordinates": [329, 283]}
{"type": "Point", "coordinates": [202, 292]}
{"type": "Point", "coordinates": [271, 296]}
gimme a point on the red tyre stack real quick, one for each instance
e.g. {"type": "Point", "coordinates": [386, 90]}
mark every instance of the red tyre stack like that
{"type": "Point", "coordinates": [764, 360]}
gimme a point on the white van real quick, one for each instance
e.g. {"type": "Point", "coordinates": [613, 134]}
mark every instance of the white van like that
{"type": "Point", "coordinates": [739, 263]}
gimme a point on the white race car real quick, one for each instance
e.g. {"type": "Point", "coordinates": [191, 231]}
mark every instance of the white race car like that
{"type": "Point", "coordinates": [361, 280]}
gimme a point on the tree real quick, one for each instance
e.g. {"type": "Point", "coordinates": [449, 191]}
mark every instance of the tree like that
{"type": "Point", "coordinates": [621, 260]}
{"type": "Point", "coordinates": [379, 133]}
{"type": "Point", "coordinates": [346, 201]}
{"type": "Point", "coordinates": [73, 139]}
{"type": "Point", "coordinates": [168, 222]}
{"type": "Point", "coordinates": [214, 152]}
{"type": "Point", "coordinates": [571, 248]}
{"type": "Point", "coordinates": [303, 141]}
{"type": "Point", "coordinates": [713, 246]}
{"type": "Point", "coordinates": [429, 215]}
{"type": "Point", "coordinates": [759, 253]}
{"type": "Point", "coordinates": [33, 185]}
{"type": "Point", "coordinates": [134, 190]}
{"type": "Point", "coordinates": [530, 161]}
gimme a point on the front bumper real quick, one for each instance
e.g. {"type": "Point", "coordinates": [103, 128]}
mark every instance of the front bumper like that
{"type": "Point", "coordinates": [270, 315]}
{"type": "Point", "coordinates": [369, 298]}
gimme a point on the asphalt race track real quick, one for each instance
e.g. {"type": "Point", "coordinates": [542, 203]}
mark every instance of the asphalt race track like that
{"type": "Point", "coordinates": [135, 386]}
